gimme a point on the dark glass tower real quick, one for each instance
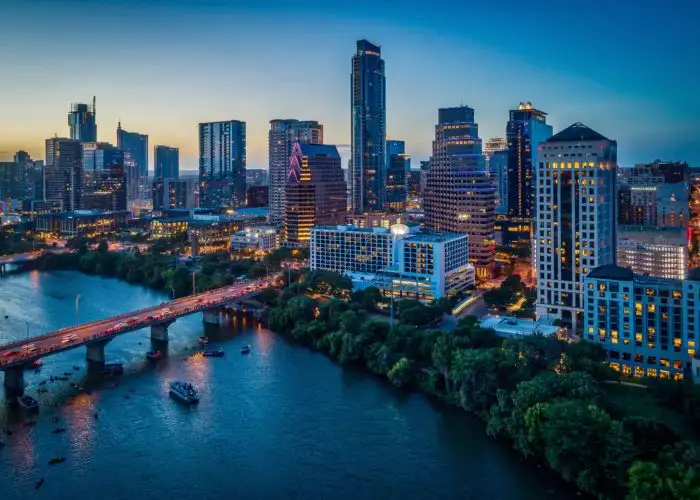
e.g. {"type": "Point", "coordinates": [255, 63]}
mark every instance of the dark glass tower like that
{"type": "Point", "coordinates": [81, 120]}
{"type": "Point", "coordinates": [166, 162]}
{"type": "Point", "coordinates": [222, 160]}
{"type": "Point", "coordinates": [526, 128]}
{"type": "Point", "coordinates": [368, 101]}
{"type": "Point", "coordinates": [137, 146]}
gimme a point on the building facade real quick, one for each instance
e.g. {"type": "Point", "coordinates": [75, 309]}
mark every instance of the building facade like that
{"type": "Point", "coordinates": [135, 145]}
{"type": "Point", "coordinates": [460, 195]}
{"type": "Point", "coordinates": [490, 147]}
{"type": "Point", "coordinates": [281, 139]}
{"type": "Point", "coordinates": [83, 223]}
{"type": "Point", "coordinates": [498, 166]}
{"type": "Point", "coordinates": [166, 162]}
{"type": "Point", "coordinates": [222, 163]}
{"type": "Point", "coordinates": [662, 253]}
{"type": "Point", "coordinates": [367, 176]}
{"type": "Point", "coordinates": [173, 193]}
{"type": "Point", "coordinates": [396, 189]}
{"type": "Point", "coordinates": [256, 239]}
{"type": "Point", "coordinates": [526, 128]}
{"type": "Point", "coordinates": [257, 176]}
{"type": "Point", "coordinates": [576, 218]}
{"type": "Point", "coordinates": [257, 196]}
{"type": "Point", "coordinates": [648, 326]}
{"type": "Point", "coordinates": [316, 191]}
{"type": "Point", "coordinates": [64, 173]}
{"type": "Point", "coordinates": [82, 122]}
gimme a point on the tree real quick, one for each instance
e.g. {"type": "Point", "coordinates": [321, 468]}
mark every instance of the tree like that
{"type": "Point", "coordinates": [103, 247]}
{"type": "Point", "coordinates": [415, 314]}
{"type": "Point", "coordinates": [443, 352]}
{"type": "Point", "coordinates": [401, 373]}
{"type": "Point", "coordinates": [328, 283]}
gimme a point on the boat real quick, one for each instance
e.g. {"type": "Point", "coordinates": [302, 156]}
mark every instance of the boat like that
{"type": "Point", "coordinates": [114, 368]}
{"type": "Point", "coordinates": [213, 353]}
{"type": "Point", "coordinates": [203, 340]}
{"type": "Point", "coordinates": [154, 355]}
{"type": "Point", "coordinates": [57, 460]}
{"type": "Point", "coordinates": [37, 364]}
{"type": "Point", "coordinates": [245, 349]}
{"type": "Point", "coordinates": [183, 391]}
{"type": "Point", "coordinates": [28, 402]}
{"type": "Point", "coordinates": [58, 430]}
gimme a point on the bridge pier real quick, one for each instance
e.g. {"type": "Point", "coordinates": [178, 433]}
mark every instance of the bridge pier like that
{"type": "Point", "coordinates": [14, 381]}
{"type": "Point", "coordinates": [95, 354]}
{"type": "Point", "coordinates": [215, 316]}
{"type": "Point", "coordinates": [160, 332]}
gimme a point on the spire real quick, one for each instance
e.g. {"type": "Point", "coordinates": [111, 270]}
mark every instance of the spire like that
{"type": "Point", "coordinates": [93, 104]}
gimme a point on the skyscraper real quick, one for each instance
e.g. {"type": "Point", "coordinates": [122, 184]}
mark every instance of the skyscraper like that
{"type": "Point", "coordinates": [137, 146]}
{"type": "Point", "coordinates": [576, 218]}
{"type": "Point", "coordinates": [81, 120]}
{"type": "Point", "coordinates": [526, 128]}
{"type": "Point", "coordinates": [316, 191]}
{"type": "Point", "coordinates": [166, 162]}
{"type": "Point", "coordinates": [368, 101]}
{"type": "Point", "coordinates": [222, 161]}
{"type": "Point", "coordinates": [281, 138]}
{"type": "Point", "coordinates": [498, 168]}
{"type": "Point", "coordinates": [491, 146]}
{"type": "Point", "coordinates": [64, 173]}
{"type": "Point", "coordinates": [459, 195]}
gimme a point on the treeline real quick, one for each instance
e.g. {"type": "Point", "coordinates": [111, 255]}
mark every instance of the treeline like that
{"type": "Point", "coordinates": [543, 395]}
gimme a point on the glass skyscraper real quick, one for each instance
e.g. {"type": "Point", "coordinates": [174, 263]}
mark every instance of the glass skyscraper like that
{"type": "Point", "coordinates": [166, 162]}
{"type": "Point", "coordinates": [136, 145]}
{"type": "Point", "coordinates": [81, 120]}
{"type": "Point", "coordinates": [368, 101]}
{"type": "Point", "coordinates": [222, 161]}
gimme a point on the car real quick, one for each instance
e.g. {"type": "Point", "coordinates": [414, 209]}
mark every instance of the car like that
{"type": "Point", "coordinates": [9, 353]}
{"type": "Point", "coordinates": [29, 348]}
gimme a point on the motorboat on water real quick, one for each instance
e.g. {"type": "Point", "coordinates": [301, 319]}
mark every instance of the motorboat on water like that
{"type": "Point", "coordinates": [114, 368]}
{"type": "Point", "coordinates": [184, 391]}
{"type": "Point", "coordinates": [245, 349]}
{"type": "Point", "coordinates": [203, 340]}
{"type": "Point", "coordinates": [154, 355]}
{"type": "Point", "coordinates": [28, 402]}
{"type": "Point", "coordinates": [213, 353]}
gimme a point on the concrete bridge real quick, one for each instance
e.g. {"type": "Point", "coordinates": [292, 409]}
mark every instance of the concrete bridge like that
{"type": "Point", "coordinates": [20, 258]}
{"type": "Point", "coordinates": [17, 357]}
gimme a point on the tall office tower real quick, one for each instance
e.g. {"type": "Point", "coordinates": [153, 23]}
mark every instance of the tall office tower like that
{"type": "Point", "coordinates": [368, 107]}
{"type": "Point", "coordinates": [64, 173]}
{"type": "Point", "coordinates": [166, 162]}
{"type": "Point", "coordinates": [98, 156]}
{"type": "Point", "coordinates": [490, 147]}
{"type": "Point", "coordinates": [33, 173]}
{"type": "Point", "coordinates": [81, 120]}
{"type": "Point", "coordinates": [394, 147]}
{"type": "Point", "coordinates": [459, 195]}
{"type": "Point", "coordinates": [173, 193]}
{"type": "Point", "coordinates": [258, 175]}
{"type": "Point", "coordinates": [137, 146]}
{"type": "Point", "coordinates": [222, 160]}
{"type": "Point", "coordinates": [576, 217]}
{"type": "Point", "coordinates": [498, 165]}
{"type": "Point", "coordinates": [316, 191]}
{"type": "Point", "coordinates": [526, 128]}
{"type": "Point", "coordinates": [104, 178]}
{"type": "Point", "coordinates": [281, 138]}
{"type": "Point", "coordinates": [695, 218]}
{"type": "Point", "coordinates": [398, 164]}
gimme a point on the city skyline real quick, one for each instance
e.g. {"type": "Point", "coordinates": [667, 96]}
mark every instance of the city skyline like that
{"type": "Point", "coordinates": [574, 79]}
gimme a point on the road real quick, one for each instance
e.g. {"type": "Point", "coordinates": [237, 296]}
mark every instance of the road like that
{"type": "Point", "coordinates": [27, 351]}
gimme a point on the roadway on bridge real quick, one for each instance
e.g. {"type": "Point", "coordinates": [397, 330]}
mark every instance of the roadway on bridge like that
{"type": "Point", "coordinates": [26, 351]}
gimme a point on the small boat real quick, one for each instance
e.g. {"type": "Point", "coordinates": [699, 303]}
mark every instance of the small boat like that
{"type": "Point", "coordinates": [154, 355]}
{"type": "Point", "coordinates": [203, 340]}
{"type": "Point", "coordinates": [114, 368]}
{"type": "Point", "coordinates": [37, 364]}
{"type": "Point", "coordinates": [28, 402]}
{"type": "Point", "coordinates": [213, 353]}
{"type": "Point", "coordinates": [245, 349]}
{"type": "Point", "coordinates": [58, 430]}
{"type": "Point", "coordinates": [76, 368]}
{"type": "Point", "coordinates": [57, 460]}
{"type": "Point", "coordinates": [183, 391]}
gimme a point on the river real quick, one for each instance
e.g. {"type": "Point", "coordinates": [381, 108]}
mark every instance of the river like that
{"type": "Point", "coordinates": [282, 422]}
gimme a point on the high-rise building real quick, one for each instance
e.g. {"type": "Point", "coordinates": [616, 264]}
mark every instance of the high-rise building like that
{"type": "Point", "coordinates": [173, 193]}
{"type": "Point", "coordinates": [222, 162]}
{"type": "Point", "coordinates": [32, 171]}
{"type": "Point", "coordinates": [166, 162]}
{"type": "Point", "coordinates": [136, 145]}
{"type": "Point", "coordinates": [81, 120]}
{"type": "Point", "coordinates": [695, 218]}
{"type": "Point", "coordinates": [576, 218]}
{"type": "Point", "coordinates": [649, 327]}
{"type": "Point", "coordinates": [368, 106]}
{"type": "Point", "coordinates": [281, 138]}
{"type": "Point", "coordinates": [316, 191]}
{"type": "Point", "coordinates": [498, 166]}
{"type": "Point", "coordinates": [259, 175]}
{"type": "Point", "coordinates": [257, 195]}
{"type": "Point", "coordinates": [491, 146]}
{"type": "Point", "coordinates": [460, 195]}
{"type": "Point", "coordinates": [64, 173]}
{"type": "Point", "coordinates": [99, 156]}
{"type": "Point", "coordinates": [398, 164]}
{"type": "Point", "coordinates": [104, 177]}
{"type": "Point", "coordinates": [527, 127]}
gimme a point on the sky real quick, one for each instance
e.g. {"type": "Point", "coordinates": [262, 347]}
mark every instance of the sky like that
{"type": "Point", "coordinates": [628, 69]}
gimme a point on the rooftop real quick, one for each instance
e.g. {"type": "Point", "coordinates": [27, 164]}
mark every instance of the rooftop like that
{"type": "Point", "coordinates": [319, 150]}
{"type": "Point", "coordinates": [434, 236]}
{"type": "Point", "coordinates": [613, 272]}
{"type": "Point", "coordinates": [577, 132]}
{"type": "Point", "coordinates": [509, 326]}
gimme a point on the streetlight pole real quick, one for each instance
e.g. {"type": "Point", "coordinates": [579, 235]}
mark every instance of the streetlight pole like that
{"type": "Point", "coordinates": [173, 289]}
{"type": "Point", "coordinates": [77, 309]}
{"type": "Point", "coordinates": [194, 282]}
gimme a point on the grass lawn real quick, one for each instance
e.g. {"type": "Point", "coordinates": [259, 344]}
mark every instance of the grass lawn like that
{"type": "Point", "coordinates": [639, 402]}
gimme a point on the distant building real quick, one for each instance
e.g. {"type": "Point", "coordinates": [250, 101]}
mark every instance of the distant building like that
{"type": "Point", "coordinates": [396, 190]}
{"type": "Point", "coordinates": [258, 176]}
{"type": "Point", "coordinates": [166, 162]}
{"type": "Point", "coordinates": [316, 191]}
{"type": "Point", "coordinates": [32, 171]}
{"type": "Point", "coordinates": [527, 127]}
{"type": "Point", "coordinates": [64, 173]}
{"type": "Point", "coordinates": [575, 226]}
{"type": "Point", "coordinates": [173, 193]}
{"type": "Point", "coordinates": [82, 223]}
{"type": "Point", "coordinates": [649, 327]}
{"type": "Point", "coordinates": [255, 238]}
{"type": "Point", "coordinates": [490, 147]}
{"type": "Point", "coordinates": [106, 190]}
{"type": "Point", "coordinates": [377, 219]}
{"type": "Point", "coordinates": [135, 147]}
{"type": "Point", "coordinates": [281, 139]}
{"type": "Point", "coordinates": [653, 252]}
{"type": "Point", "coordinates": [82, 122]}
{"type": "Point", "coordinates": [499, 170]}
{"type": "Point", "coordinates": [460, 196]}
{"type": "Point", "coordinates": [257, 196]}
{"type": "Point", "coordinates": [368, 116]}
{"type": "Point", "coordinates": [222, 164]}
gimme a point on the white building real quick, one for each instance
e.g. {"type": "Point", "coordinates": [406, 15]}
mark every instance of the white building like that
{"type": "Point", "coordinates": [576, 218]}
{"type": "Point", "coordinates": [255, 238]}
{"type": "Point", "coordinates": [649, 252]}
{"type": "Point", "coordinates": [401, 261]}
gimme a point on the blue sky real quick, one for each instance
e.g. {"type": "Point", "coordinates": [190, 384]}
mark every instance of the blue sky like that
{"type": "Point", "coordinates": [628, 69]}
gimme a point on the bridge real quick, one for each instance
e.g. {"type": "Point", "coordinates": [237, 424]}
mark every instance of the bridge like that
{"type": "Point", "coordinates": [16, 357]}
{"type": "Point", "coordinates": [20, 258]}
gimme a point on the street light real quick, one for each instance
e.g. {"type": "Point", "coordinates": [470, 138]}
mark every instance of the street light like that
{"type": "Point", "coordinates": [77, 309]}
{"type": "Point", "coordinates": [194, 282]}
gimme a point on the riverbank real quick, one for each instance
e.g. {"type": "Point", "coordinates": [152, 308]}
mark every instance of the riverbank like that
{"type": "Point", "coordinates": [542, 395]}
